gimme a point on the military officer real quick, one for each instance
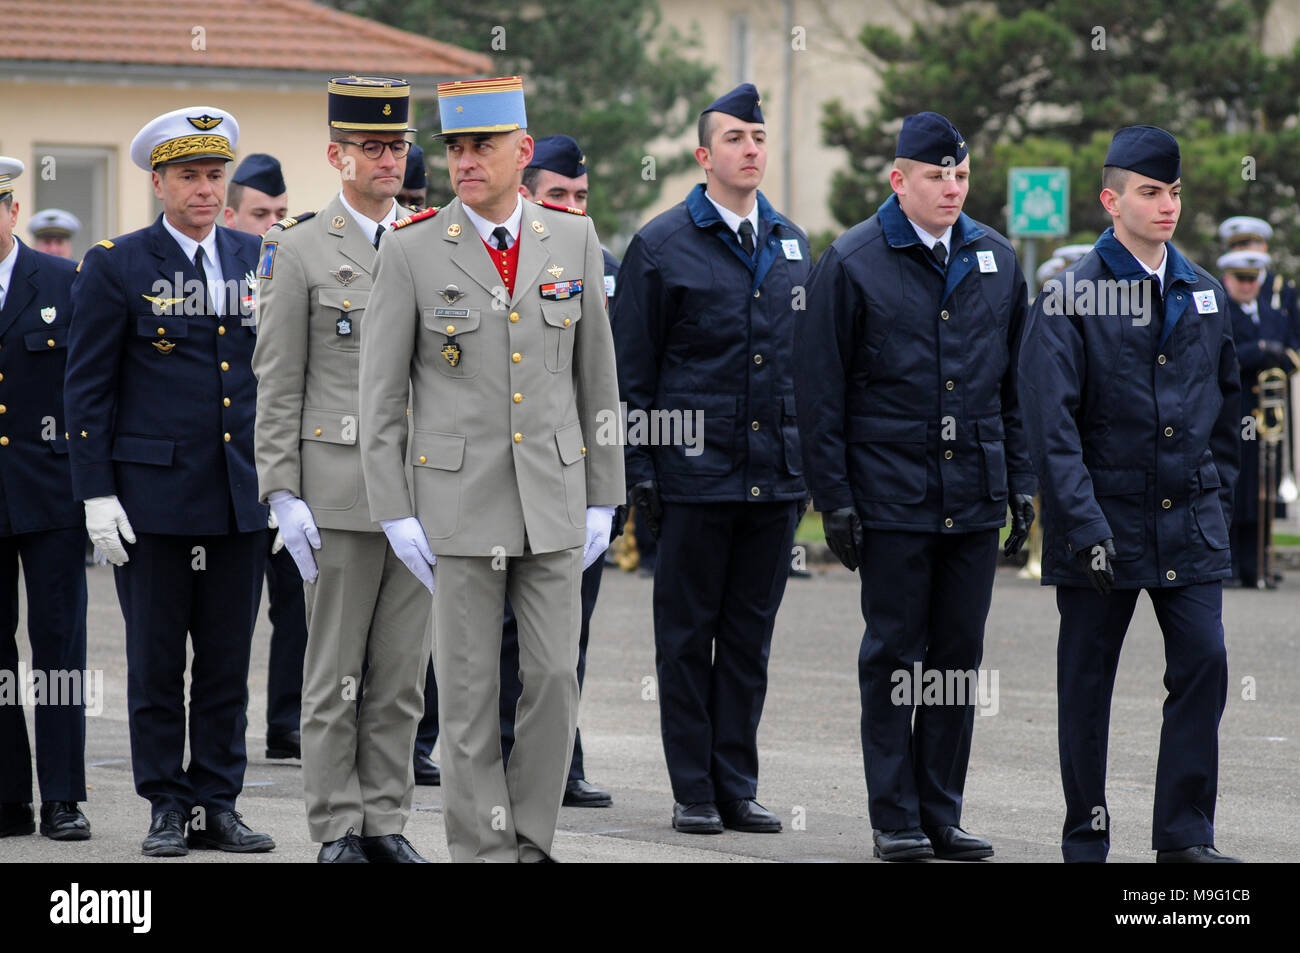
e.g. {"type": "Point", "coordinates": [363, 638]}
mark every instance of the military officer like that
{"type": "Point", "coordinates": [256, 200]}
{"type": "Point", "coordinates": [41, 526]}
{"type": "Point", "coordinates": [415, 183]}
{"type": "Point", "coordinates": [1130, 389]}
{"type": "Point", "coordinates": [53, 230]}
{"type": "Point", "coordinates": [1264, 339]}
{"type": "Point", "coordinates": [704, 327]}
{"type": "Point", "coordinates": [905, 371]}
{"type": "Point", "coordinates": [364, 606]}
{"type": "Point", "coordinates": [484, 314]}
{"type": "Point", "coordinates": [160, 398]}
{"type": "Point", "coordinates": [557, 176]}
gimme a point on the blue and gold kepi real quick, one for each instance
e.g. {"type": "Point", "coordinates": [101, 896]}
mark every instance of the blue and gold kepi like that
{"type": "Point", "coordinates": [10, 169]}
{"type": "Point", "coordinates": [930, 138]}
{"type": "Point", "coordinates": [743, 102]}
{"type": "Point", "coordinates": [370, 103]}
{"type": "Point", "coordinates": [191, 132]}
{"type": "Point", "coordinates": [1146, 150]}
{"type": "Point", "coordinates": [481, 106]}
{"type": "Point", "coordinates": [559, 154]}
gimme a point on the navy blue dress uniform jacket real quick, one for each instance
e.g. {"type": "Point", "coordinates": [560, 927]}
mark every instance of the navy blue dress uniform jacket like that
{"type": "Point", "coordinates": [1133, 422]}
{"type": "Point", "coordinates": [148, 383]}
{"type": "Point", "coordinates": [699, 326]}
{"type": "Point", "coordinates": [35, 489]}
{"type": "Point", "coordinates": [907, 377]}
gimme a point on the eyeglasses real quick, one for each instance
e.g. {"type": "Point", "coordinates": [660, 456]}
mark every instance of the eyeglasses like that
{"type": "Point", "coordinates": [374, 148]}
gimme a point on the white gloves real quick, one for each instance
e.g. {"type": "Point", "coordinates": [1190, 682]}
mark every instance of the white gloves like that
{"type": "Point", "coordinates": [277, 544]}
{"type": "Point", "coordinates": [600, 523]}
{"type": "Point", "coordinates": [298, 530]}
{"type": "Point", "coordinates": [107, 526]}
{"type": "Point", "coordinates": [407, 538]}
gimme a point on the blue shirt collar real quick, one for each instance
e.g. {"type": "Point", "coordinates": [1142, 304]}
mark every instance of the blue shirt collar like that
{"type": "Point", "coordinates": [900, 233]}
{"type": "Point", "coordinates": [704, 215]}
{"type": "Point", "coordinates": [1125, 267]}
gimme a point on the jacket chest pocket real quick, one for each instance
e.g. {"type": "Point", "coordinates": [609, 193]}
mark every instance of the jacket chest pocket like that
{"type": "Point", "coordinates": [342, 309]}
{"type": "Point", "coordinates": [456, 340]}
{"type": "Point", "coordinates": [164, 332]}
{"type": "Point", "coordinates": [50, 339]}
{"type": "Point", "coordinates": [561, 320]}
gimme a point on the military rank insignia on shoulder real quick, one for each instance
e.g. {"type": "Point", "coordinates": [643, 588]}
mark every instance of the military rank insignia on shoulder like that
{"type": "Point", "coordinates": [293, 220]}
{"type": "Point", "coordinates": [563, 208]}
{"type": "Point", "coordinates": [102, 243]}
{"type": "Point", "coordinates": [416, 217]}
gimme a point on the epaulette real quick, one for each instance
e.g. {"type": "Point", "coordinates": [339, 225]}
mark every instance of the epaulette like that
{"type": "Point", "coordinates": [416, 217]}
{"type": "Point", "coordinates": [293, 220]}
{"type": "Point", "coordinates": [102, 243]}
{"type": "Point", "coordinates": [563, 208]}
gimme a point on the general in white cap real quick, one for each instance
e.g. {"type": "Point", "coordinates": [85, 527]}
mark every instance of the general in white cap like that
{"type": "Point", "coordinates": [52, 231]}
{"type": "Point", "coordinates": [191, 132]}
{"type": "Point", "coordinates": [10, 169]}
{"type": "Point", "coordinates": [1242, 229]}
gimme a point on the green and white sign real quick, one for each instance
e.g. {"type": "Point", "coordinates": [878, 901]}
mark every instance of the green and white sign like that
{"type": "Point", "coordinates": [1040, 202]}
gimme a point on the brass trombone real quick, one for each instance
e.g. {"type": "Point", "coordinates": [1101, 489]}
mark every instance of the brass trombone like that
{"type": "Point", "coordinates": [1273, 432]}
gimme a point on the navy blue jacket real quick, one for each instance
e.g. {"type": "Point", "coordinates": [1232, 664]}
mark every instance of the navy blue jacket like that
{"type": "Point", "coordinates": [35, 489]}
{"type": "Point", "coordinates": [148, 384]}
{"type": "Point", "coordinates": [906, 377]}
{"type": "Point", "coordinates": [700, 326]}
{"type": "Point", "coordinates": [1133, 419]}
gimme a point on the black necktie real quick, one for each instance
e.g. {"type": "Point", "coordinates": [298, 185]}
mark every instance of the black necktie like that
{"type": "Point", "coordinates": [379, 233]}
{"type": "Point", "coordinates": [203, 278]}
{"type": "Point", "coordinates": [747, 237]}
{"type": "Point", "coordinates": [502, 235]}
{"type": "Point", "coordinates": [940, 252]}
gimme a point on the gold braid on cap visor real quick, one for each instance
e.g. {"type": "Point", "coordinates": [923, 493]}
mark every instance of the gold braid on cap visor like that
{"type": "Point", "coordinates": [185, 146]}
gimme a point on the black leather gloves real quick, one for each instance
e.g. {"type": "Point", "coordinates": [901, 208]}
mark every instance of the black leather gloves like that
{"type": "Point", "coordinates": [1097, 563]}
{"type": "Point", "coordinates": [1022, 517]}
{"type": "Point", "coordinates": [645, 497]}
{"type": "Point", "coordinates": [844, 534]}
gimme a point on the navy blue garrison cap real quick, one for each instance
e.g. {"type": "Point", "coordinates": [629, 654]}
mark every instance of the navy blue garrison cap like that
{"type": "Point", "coordinates": [743, 102]}
{"type": "Point", "coordinates": [1146, 150]}
{"type": "Point", "coordinates": [416, 176]}
{"type": "Point", "coordinates": [931, 138]}
{"type": "Point", "coordinates": [559, 154]}
{"type": "Point", "coordinates": [262, 172]}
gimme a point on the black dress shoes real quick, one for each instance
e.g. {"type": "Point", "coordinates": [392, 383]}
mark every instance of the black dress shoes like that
{"type": "Point", "coordinates": [63, 820]}
{"type": "Point", "coordinates": [697, 818]}
{"type": "Point", "coordinates": [749, 816]}
{"type": "Point", "coordinates": [166, 836]}
{"type": "Point", "coordinates": [953, 843]}
{"type": "Point", "coordinates": [426, 772]}
{"type": "Point", "coordinates": [907, 844]}
{"type": "Point", "coordinates": [390, 849]}
{"type": "Point", "coordinates": [578, 793]}
{"type": "Point", "coordinates": [227, 831]}
{"type": "Point", "coordinates": [284, 744]}
{"type": "Point", "coordinates": [345, 850]}
{"type": "Point", "coordinates": [1200, 854]}
{"type": "Point", "coordinates": [16, 819]}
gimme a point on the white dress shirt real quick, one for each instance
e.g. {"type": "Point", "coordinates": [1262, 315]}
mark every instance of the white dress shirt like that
{"type": "Point", "coordinates": [211, 261]}
{"type": "Point", "coordinates": [7, 272]}
{"type": "Point", "coordinates": [733, 220]}
{"type": "Point", "coordinates": [368, 224]}
{"type": "Point", "coordinates": [930, 240]}
{"type": "Point", "coordinates": [485, 228]}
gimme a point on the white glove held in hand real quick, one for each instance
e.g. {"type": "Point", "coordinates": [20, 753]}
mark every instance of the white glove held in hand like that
{"type": "Point", "coordinates": [107, 526]}
{"type": "Point", "coordinates": [407, 538]}
{"type": "Point", "coordinates": [298, 530]}
{"type": "Point", "coordinates": [600, 523]}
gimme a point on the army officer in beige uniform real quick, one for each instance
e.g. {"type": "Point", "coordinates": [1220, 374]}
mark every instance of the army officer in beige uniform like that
{"type": "Point", "coordinates": [364, 608]}
{"type": "Point", "coordinates": [493, 314]}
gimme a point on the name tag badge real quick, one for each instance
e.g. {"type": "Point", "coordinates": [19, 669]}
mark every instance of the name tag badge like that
{"type": "Point", "coordinates": [610, 282]}
{"type": "Point", "coordinates": [792, 250]}
{"type": "Point", "coordinates": [1205, 303]}
{"type": "Point", "coordinates": [987, 263]}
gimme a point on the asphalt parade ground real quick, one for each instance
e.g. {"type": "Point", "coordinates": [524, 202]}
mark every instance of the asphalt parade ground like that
{"type": "Point", "coordinates": [811, 760]}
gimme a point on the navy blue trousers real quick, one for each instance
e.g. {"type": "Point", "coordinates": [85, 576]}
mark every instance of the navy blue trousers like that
{"type": "Point", "coordinates": [426, 732]}
{"type": "Point", "coordinates": [719, 578]}
{"type": "Point", "coordinates": [288, 614]}
{"type": "Point", "coordinates": [207, 588]}
{"type": "Point", "coordinates": [925, 598]}
{"type": "Point", "coordinates": [54, 573]}
{"type": "Point", "coordinates": [1196, 677]}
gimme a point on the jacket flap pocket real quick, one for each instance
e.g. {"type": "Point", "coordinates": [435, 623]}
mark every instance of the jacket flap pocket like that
{"type": "Point", "coordinates": [562, 314]}
{"type": "Point", "coordinates": [451, 321]}
{"type": "Point", "coordinates": [439, 451]}
{"type": "Point", "coordinates": [162, 326]}
{"type": "Point", "coordinates": [330, 426]}
{"type": "Point", "coordinates": [569, 442]}
{"type": "Point", "coordinates": [990, 428]}
{"type": "Point", "coordinates": [1118, 482]}
{"type": "Point", "coordinates": [885, 430]}
{"type": "Point", "coordinates": [153, 450]}
{"type": "Point", "coordinates": [47, 340]}
{"type": "Point", "coordinates": [1209, 476]}
{"type": "Point", "coordinates": [344, 299]}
